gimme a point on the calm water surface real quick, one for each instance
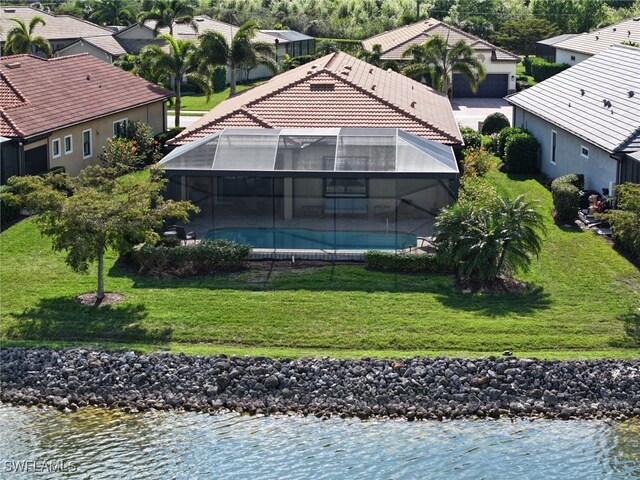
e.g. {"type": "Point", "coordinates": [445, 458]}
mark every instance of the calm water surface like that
{"type": "Point", "coordinates": [105, 444]}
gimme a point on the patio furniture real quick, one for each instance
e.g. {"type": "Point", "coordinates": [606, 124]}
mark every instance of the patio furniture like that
{"type": "Point", "coordinates": [181, 233]}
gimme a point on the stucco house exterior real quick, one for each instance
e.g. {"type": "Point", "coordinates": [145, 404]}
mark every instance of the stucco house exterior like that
{"type": "Point", "coordinates": [578, 48]}
{"type": "Point", "coordinates": [60, 112]}
{"type": "Point", "coordinates": [500, 64]}
{"type": "Point", "coordinates": [60, 30]}
{"type": "Point", "coordinates": [587, 119]}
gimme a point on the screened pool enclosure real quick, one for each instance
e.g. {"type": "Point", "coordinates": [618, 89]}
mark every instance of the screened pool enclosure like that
{"type": "Point", "coordinates": [329, 189]}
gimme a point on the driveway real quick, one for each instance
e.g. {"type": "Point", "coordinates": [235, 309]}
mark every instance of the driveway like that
{"type": "Point", "coordinates": [469, 111]}
{"type": "Point", "coordinates": [185, 119]}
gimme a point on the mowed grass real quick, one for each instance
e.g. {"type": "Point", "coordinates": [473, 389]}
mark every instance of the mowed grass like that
{"type": "Point", "coordinates": [583, 302]}
{"type": "Point", "coordinates": [198, 102]}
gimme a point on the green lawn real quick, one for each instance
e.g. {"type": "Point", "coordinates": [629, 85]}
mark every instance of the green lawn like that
{"type": "Point", "coordinates": [583, 303]}
{"type": "Point", "coordinates": [199, 102]}
{"type": "Point", "coordinates": [520, 70]}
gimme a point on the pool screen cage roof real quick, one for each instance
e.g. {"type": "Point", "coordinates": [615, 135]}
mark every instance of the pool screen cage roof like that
{"type": "Point", "coordinates": [323, 151]}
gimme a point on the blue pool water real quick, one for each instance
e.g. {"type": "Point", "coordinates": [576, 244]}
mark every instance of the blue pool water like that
{"type": "Point", "coordinates": [306, 239]}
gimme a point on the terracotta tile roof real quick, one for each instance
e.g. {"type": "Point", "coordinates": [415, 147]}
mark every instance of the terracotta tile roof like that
{"type": "Point", "coordinates": [597, 41]}
{"type": "Point", "coordinates": [337, 90]}
{"type": "Point", "coordinates": [58, 27]}
{"type": "Point", "coordinates": [39, 95]}
{"type": "Point", "coordinates": [394, 42]}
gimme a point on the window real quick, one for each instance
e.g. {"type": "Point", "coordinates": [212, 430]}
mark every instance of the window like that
{"type": "Point", "coordinates": [55, 148]}
{"type": "Point", "coordinates": [86, 143]}
{"type": "Point", "coordinates": [584, 152]}
{"type": "Point", "coordinates": [345, 187]}
{"type": "Point", "coordinates": [120, 128]}
{"type": "Point", "coordinates": [554, 141]}
{"type": "Point", "coordinates": [68, 144]}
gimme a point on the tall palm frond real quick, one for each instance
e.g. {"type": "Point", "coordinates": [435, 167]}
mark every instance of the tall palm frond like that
{"type": "Point", "coordinates": [21, 39]}
{"type": "Point", "coordinates": [113, 12]}
{"type": "Point", "coordinates": [167, 13]}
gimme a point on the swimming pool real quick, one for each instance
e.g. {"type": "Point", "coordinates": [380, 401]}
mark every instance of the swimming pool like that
{"type": "Point", "coordinates": [306, 239]}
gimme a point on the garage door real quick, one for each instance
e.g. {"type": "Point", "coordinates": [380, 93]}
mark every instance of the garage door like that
{"type": "Point", "coordinates": [493, 86]}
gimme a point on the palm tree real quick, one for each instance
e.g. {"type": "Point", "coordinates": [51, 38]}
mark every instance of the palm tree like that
{"type": "Point", "coordinates": [20, 38]}
{"type": "Point", "coordinates": [497, 238]}
{"type": "Point", "coordinates": [373, 57]}
{"type": "Point", "coordinates": [215, 50]}
{"type": "Point", "coordinates": [436, 59]}
{"type": "Point", "coordinates": [172, 65]}
{"type": "Point", "coordinates": [166, 13]}
{"type": "Point", "coordinates": [113, 12]}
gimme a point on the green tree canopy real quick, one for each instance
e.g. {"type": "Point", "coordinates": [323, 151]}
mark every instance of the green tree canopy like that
{"type": "Point", "coordinates": [90, 213]}
{"type": "Point", "coordinates": [520, 36]}
{"type": "Point", "coordinates": [113, 12]}
{"type": "Point", "coordinates": [21, 39]}
{"type": "Point", "coordinates": [215, 50]}
{"type": "Point", "coordinates": [436, 59]}
{"type": "Point", "coordinates": [166, 13]}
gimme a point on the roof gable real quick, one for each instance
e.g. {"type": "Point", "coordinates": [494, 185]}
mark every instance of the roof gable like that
{"type": "Point", "coordinates": [591, 43]}
{"type": "Point", "coordinates": [574, 99]}
{"type": "Point", "coordinates": [39, 95]}
{"type": "Point", "coordinates": [337, 91]}
{"type": "Point", "coordinates": [394, 42]}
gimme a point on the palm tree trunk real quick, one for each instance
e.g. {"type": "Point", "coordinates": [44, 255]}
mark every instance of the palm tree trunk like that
{"type": "Point", "coordinates": [100, 292]}
{"type": "Point", "coordinates": [232, 79]}
{"type": "Point", "coordinates": [178, 100]}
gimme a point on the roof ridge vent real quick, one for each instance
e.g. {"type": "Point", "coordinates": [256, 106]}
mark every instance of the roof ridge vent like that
{"type": "Point", "coordinates": [13, 65]}
{"type": "Point", "coordinates": [582, 92]}
{"type": "Point", "coordinates": [371, 70]}
{"type": "Point", "coordinates": [413, 104]}
{"type": "Point", "coordinates": [348, 67]}
{"type": "Point", "coordinates": [631, 93]}
{"type": "Point", "coordinates": [373, 87]}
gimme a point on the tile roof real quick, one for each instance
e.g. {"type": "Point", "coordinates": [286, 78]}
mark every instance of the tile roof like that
{"type": "Point", "coordinates": [557, 39]}
{"type": "Point", "coordinates": [39, 95]}
{"type": "Point", "coordinates": [186, 31]}
{"type": "Point", "coordinates": [394, 42]}
{"type": "Point", "coordinates": [290, 35]}
{"type": "Point", "coordinates": [336, 90]}
{"type": "Point", "coordinates": [610, 76]}
{"type": "Point", "coordinates": [106, 43]}
{"type": "Point", "coordinates": [58, 27]}
{"type": "Point", "coordinates": [597, 41]}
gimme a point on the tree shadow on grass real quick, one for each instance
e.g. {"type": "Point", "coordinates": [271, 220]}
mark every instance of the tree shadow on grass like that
{"type": "Point", "coordinates": [631, 322]}
{"type": "Point", "coordinates": [63, 318]}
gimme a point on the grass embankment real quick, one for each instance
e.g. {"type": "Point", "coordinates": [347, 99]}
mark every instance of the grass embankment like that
{"type": "Point", "coordinates": [583, 303]}
{"type": "Point", "coordinates": [521, 71]}
{"type": "Point", "coordinates": [199, 103]}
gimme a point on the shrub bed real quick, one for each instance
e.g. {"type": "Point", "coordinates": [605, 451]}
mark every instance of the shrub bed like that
{"type": "Point", "coordinates": [471, 138]}
{"type": "Point", "coordinates": [575, 179]}
{"type": "Point", "coordinates": [521, 153]}
{"type": "Point", "coordinates": [203, 258]}
{"type": "Point", "coordinates": [402, 262]}
{"type": "Point", "coordinates": [9, 207]}
{"type": "Point", "coordinates": [504, 134]}
{"type": "Point", "coordinates": [494, 123]}
{"type": "Point", "coordinates": [566, 201]}
{"type": "Point", "coordinates": [625, 222]}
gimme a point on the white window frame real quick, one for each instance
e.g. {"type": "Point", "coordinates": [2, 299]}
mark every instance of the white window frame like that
{"type": "Point", "coordinates": [125, 121]}
{"type": "Point", "coordinates": [54, 142]}
{"type": "Point", "coordinates": [554, 147]}
{"type": "Point", "coordinates": [84, 155]}
{"type": "Point", "coordinates": [64, 144]}
{"type": "Point", "coordinates": [582, 149]}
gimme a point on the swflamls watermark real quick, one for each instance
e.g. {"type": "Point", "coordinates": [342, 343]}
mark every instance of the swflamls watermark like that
{"type": "Point", "coordinates": [39, 466]}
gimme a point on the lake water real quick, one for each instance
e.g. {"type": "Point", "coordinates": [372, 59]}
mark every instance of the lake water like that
{"type": "Point", "coordinates": [109, 444]}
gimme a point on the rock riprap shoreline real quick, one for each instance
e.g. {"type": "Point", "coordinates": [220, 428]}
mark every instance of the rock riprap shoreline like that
{"type": "Point", "coordinates": [414, 388]}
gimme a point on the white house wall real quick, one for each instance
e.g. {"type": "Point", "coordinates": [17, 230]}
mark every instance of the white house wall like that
{"type": "Point", "coordinates": [600, 170]}
{"type": "Point", "coordinates": [499, 67]}
{"type": "Point", "coordinates": [570, 58]}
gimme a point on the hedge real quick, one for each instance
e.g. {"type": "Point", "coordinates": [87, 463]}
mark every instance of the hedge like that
{"type": "Point", "coordinates": [566, 201]}
{"type": "Point", "coordinates": [9, 208]}
{"type": "Point", "coordinates": [575, 179]}
{"type": "Point", "coordinates": [504, 134]}
{"type": "Point", "coordinates": [625, 222]}
{"type": "Point", "coordinates": [494, 123]}
{"type": "Point", "coordinates": [219, 79]}
{"type": "Point", "coordinates": [526, 62]}
{"type": "Point", "coordinates": [541, 69]}
{"type": "Point", "coordinates": [471, 138]}
{"type": "Point", "coordinates": [402, 262]}
{"type": "Point", "coordinates": [521, 153]}
{"type": "Point", "coordinates": [203, 258]}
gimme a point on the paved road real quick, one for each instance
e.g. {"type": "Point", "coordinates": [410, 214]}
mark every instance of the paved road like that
{"type": "Point", "coordinates": [469, 111]}
{"type": "Point", "coordinates": [185, 120]}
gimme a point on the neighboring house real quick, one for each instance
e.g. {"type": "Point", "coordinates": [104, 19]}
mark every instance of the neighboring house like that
{"type": "Point", "coordinates": [333, 145]}
{"type": "Point", "coordinates": [336, 90]}
{"type": "Point", "coordinates": [60, 30]}
{"type": "Point", "coordinates": [60, 112]}
{"type": "Point", "coordinates": [135, 37]}
{"type": "Point", "coordinates": [106, 48]}
{"type": "Point", "coordinates": [587, 119]}
{"type": "Point", "coordinates": [500, 64]}
{"type": "Point", "coordinates": [580, 47]}
{"type": "Point", "coordinates": [546, 49]}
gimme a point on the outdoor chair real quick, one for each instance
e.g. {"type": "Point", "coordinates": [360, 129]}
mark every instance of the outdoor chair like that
{"type": "Point", "coordinates": [182, 234]}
